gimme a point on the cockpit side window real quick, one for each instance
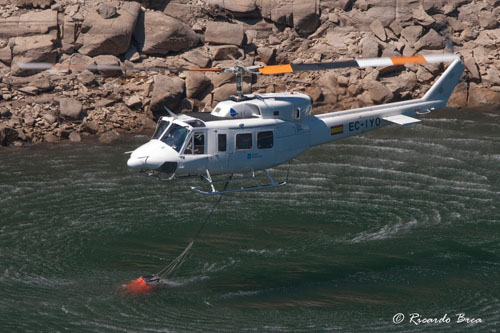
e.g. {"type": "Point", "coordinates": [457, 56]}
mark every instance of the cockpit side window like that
{"type": "Point", "coordinates": [196, 144]}
{"type": "Point", "coordinates": [175, 136]}
{"type": "Point", "coordinates": [160, 128]}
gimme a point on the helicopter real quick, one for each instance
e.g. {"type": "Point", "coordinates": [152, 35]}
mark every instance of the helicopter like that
{"type": "Point", "coordinates": [248, 133]}
{"type": "Point", "coordinates": [255, 132]}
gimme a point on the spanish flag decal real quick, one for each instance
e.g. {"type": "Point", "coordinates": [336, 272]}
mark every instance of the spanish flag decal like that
{"type": "Point", "coordinates": [339, 129]}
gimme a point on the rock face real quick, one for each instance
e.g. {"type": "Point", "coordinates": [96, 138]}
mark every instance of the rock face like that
{"type": "Point", "coordinates": [111, 36]}
{"type": "Point", "coordinates": [157, 33]}
{"type": "Point", "coordinates": [87, 38]}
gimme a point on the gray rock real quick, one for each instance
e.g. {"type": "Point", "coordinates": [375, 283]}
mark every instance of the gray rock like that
{"type": "Point", "coordinates": [104, 64]}
{"type": "Point", "coordinates": [133, 101]}
{"type": "Point", "coordinates": [109, 137]}
{"type": "Point", "coordinates": [412, 33]}
{"type": "Point", "coordinates": [49, 118]}
{"type": "Point", "coordinates": [32, 49]}
{"type": "Point", "coordinates": [378, 29]}
{"type": "Point", "coordinates": [306, 16]}
{"type": "Point", "coordinates": [239, 6]}
{"type": "Point", "coordinates": [6, 55]}
{"type": "Point", "coordinates": [51, 138]}
{"type": "Point", "coordinates": [86, 77]}
{"type": "Point", "coordinates": [91, 126]}
{"type": "Point", "coordinates": [34, 3]}
{"type": "Point", "coordinates": [157, 33]}
{"type": "Point", "coordinates": [379, 93]}
{"type": "Point", "coordinates": [278, 11]}
{"type": "Point", "coordinates": [488, 20]}
{"type": "Point", "coordinates": [472, 68]}
{"type": "Point", "coordinates": [198, 57]}
{"type": "Point", "coordinates": [168, 91]}
{"type": "Point", "coordinates": [196, 82]}
{"type": "Point", "coordinates": [106, 11]}
{"type": "Point", "coordinates": [422, 18]}
{"type": "Point", "coordinates": [267, 54]}
{"type": "Point", "coordinates": [225, 52]}
{"type": "Point", "coordinates": [74, 137]}
{"type": "Point", "coordinates": [431, 41]}
{"type": "Point", "coordinates": [70, 108]}
{"type": "Point", "coordinates": [108, 36]}
{"type": "Point", "coordinates": [224, 33]}
{"type": "Point", "coordinates": [369, 47]}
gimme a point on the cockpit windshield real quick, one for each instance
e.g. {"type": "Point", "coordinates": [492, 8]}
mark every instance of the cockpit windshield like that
{"type": "Point", "coordinates": [175, 136]}
{"type": "Point", "coordinates": [160, 128]}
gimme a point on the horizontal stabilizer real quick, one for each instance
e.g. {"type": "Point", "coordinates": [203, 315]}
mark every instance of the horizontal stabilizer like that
{"type": "Point", "coordinates": [401, 119]}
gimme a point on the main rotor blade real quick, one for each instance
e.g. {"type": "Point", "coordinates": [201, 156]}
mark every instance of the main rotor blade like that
{"type": "Point", "coordinates": [360, 63]}
{"type": "Point", "coordinates": [45, 65]}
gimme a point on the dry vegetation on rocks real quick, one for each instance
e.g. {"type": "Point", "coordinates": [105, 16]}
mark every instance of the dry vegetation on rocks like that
{"type": "Point", "coordinates": [58, 105]}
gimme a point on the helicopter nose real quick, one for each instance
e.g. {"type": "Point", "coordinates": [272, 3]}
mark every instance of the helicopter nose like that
{"type": "Point", "coordinates": [136, 163]}
{"type": "Point", "coordinates": [154, 155]}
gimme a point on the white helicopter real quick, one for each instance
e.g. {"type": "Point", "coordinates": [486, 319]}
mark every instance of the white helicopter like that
{"type": "Point", "coordinates": [249, 133]}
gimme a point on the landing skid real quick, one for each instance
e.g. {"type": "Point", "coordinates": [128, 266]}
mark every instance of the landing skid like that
{"type": "Point", "coordinates": [212, 184]}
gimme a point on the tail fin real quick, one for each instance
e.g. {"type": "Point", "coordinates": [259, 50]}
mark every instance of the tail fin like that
{"type": "Point", "coordinates": [442, 89]}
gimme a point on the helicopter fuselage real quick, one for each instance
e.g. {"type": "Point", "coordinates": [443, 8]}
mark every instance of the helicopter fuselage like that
{"type": "Point", "coordinates": [263, 131]}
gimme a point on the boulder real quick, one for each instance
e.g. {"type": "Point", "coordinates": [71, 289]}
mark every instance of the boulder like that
{"type": "Point", "coordinates": [225, 52]}
{"type": "Point", "coordinates": [488, 20]}
{"type": "Point", "coordinates": [483, 96]}
{"type": "Point", "coordinates": [224, 33]}
{"type": "Point", "coordinates": [267, 54]}
{"type": "Point", "coordinates": [68, 35]}
{"type": "Point", "coordinates": [28, 24]}
{"type": "Point", "coordinates": [51, 138]}
{"type": "Point", "coordinates": [237, 6]}
{"type": "Point", "coordinates": [378, 29]}
{"type": "Point", "coordinates": [422, 18]}
{"type": "Point", "coordinates": [198, 57]}
{"type": "Point", "coordinates": [106, 10]}
{"type": "Point", "coordinates": [412, 33]}
{"type": "Point", "coordinates": [430, 41]}
{"type": "Point", "coordinates": [305, 16]}
{"type": "Point", "coordinates": [133, 101]}
{"type": "Point", "coordinates": [370, 48]}
{"type": "Point", "coordinates": [278, 11]}
{"type": "Point", "coordinates": [379, 93]}
{"type": "Point", "coordinates": [6, 55]}
{"type": "Point", "coordinates": [108, 36]}
{"type": "Point", "coordinates": [106, 64]}
{"type": "Point", "coordinates": [472, 68]}
{"type": "Point", "coordinates": [70, 108]}
{"type": "Point", "coordinates": [196, 82]}
{"type": "Point", "coordinates": [32, 49]}
{"type": "Point", "coordinates": [74, 137]}
{"type": "Point", "coordinates": [34, 3]}
{"type": "Point", "coordinates": [109, 137]}
{"type": "Point", "coordinates": [157, 33]}
{"type": "Point", "coordinates": [168, 91]}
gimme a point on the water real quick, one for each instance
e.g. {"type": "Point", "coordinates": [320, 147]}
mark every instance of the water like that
{"type": "Point", "coordinates": [400, 220]}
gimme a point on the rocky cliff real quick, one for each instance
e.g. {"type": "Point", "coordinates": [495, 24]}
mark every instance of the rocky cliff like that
{"type": "Point", "coordinates": [70, 102]}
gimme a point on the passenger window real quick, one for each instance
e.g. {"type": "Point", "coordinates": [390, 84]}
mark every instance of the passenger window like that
{"type": "Point", "coordinates": [265, 140]}
{"type": "Point", "coordinates": [222, 142]}
{"type": "Point", "coordinates": [244, 141]}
